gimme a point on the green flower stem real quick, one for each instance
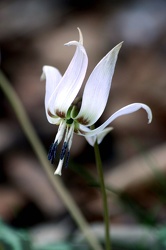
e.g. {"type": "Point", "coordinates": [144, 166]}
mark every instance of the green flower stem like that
{"type": "Point", "coordinates": [41, 154]}
{"type": "Point", "coordinates": [104, 196]}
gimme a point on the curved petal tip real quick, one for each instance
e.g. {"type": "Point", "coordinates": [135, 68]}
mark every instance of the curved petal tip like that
{"type": "Point", "coordinates": [150, 116]}
{"type": "Point", "coordinates": [75, 42]}
{"type": "Point", "coordinates": [43, 77]}
{"type": "Point", "coordinates": [118, 46]}
{"type": "Point", "coordinates": [148, 111]}
{"type": "Point", "coordinates": [80, 36]}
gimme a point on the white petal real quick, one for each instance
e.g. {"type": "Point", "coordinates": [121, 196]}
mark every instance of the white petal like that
{"type": "Point", "coordinates": [123, 111]}
{"type": "Point", "coordinates": [53, 119]}
{"type": "Point", "coordinates": [91, 140]}
{"type": "Point", "coordinates": [97, 88]}
{"type": "Point", "coordinates": [101, 136]}
{"type": "Point", "coordinates": [53, 77]}
{"type": "Point", "coordinates": [72, 80]}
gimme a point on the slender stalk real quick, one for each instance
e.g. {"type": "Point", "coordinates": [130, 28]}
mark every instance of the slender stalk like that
{"type": "Point", "coordinates": [41, 154]}
{"type": "Point", "coordinates": [104, 196]}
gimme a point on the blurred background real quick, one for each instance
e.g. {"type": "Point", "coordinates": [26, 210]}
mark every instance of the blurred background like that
{"type": "Point", "coordinates": [32, 34]}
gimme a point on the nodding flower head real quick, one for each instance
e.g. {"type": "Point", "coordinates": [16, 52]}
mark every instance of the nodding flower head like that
{"type": "Point", "coordinates": [73, 114]}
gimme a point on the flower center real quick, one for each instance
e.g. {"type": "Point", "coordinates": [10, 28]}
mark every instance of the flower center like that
{"type": "Point", "coordinates": [66, 129]}
{"type": "Point", "coordinates": [69, 121]}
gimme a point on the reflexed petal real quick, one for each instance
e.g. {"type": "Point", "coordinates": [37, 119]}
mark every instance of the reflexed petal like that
{"type": "Point", "coordinates": [123, 111]}
{"type": "Point", "coordinates": [101, 136]}
{"type": "Point", "coordinates": [53, 77]}
{"type": "Point", "coordinates": [72, 80]}
{"type": "Point", "coordinates": [97, 88]}
{"type": "Point", "coordinates": [91, 140]}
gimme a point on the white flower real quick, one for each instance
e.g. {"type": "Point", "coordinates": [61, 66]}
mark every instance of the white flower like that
{"type": "Point", "coordinates": [75, 115]}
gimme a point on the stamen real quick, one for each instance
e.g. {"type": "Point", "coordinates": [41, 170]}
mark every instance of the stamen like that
{"type": "Point", "coordinates": [67, 159]}
{"type": "Point", "coordinates": [52, 152]}
{"type": "Point", "coordinates": [63, 151]}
